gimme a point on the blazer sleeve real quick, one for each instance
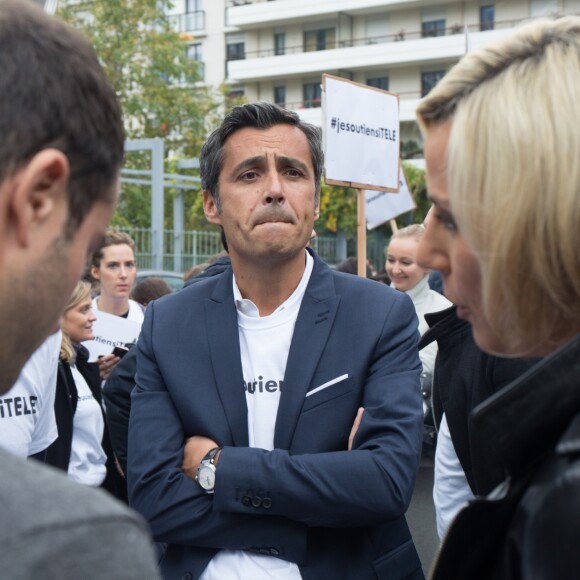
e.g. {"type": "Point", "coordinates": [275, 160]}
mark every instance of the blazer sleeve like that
{"type": "Point", "coordinates": [117, 396]}
{"type": "Point", "coordinates": [371, 484]}
{"type": "Point", "coordinates": [177, 509]}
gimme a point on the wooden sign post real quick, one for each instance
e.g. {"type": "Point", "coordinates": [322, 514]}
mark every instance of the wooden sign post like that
{"type": "Point", "coordinates": [361, 234]}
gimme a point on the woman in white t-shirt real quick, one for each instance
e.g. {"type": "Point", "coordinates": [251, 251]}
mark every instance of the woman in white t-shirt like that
{"type": "Point", "coordinates": [113, 266]}
{"type": "Point", "coordinates": [82, 448]}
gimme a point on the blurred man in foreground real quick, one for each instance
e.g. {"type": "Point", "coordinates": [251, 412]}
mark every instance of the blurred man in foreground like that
{"type": "Point", "coordinates": [60, 155]}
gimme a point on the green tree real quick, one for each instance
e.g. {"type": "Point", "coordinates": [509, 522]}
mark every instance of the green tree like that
{"type": "Point", "coordinates": [338, 205]}
{"type": "Point", "coordinates": [338, 210]}
{"type": "Point", "coordinates": [146, 61]}
{"type": "Point", "coordinates": [158, 86]}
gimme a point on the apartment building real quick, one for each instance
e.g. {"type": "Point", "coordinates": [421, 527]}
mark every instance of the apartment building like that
{"type": "Point", "coordinates": [277, 50]}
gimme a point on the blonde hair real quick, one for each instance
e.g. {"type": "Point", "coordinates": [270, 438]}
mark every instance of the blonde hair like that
{"type": "Point", "coordinates": [414, 231]}
{"type": "Point", "coordinates": [80, 293]}
{"type": "Point", "coordinates": [514, 177]}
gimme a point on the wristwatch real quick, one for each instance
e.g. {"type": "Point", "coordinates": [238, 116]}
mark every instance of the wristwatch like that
{"type": "Point", "coordinates": [205, 475]}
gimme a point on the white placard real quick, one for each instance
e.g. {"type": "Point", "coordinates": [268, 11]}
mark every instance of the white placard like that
{"type": "Point", "coordinates": [361, 135]}
{"type": "Point", "coordinates": [111, 331]}
{"type": "Point", "coordinates": [382, 206]}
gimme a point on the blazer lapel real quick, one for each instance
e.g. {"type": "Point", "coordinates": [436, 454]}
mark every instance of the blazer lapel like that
{"type": "Point", "coordinates": [311, 332]}
{"type": "Point", "coordinates": [222, 332]}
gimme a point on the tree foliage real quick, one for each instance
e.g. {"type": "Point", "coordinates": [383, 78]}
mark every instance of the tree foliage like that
{"type": "Point", "coordinates": [158, 86]}
{"type": "Point", "coordinates": [147, 63]}
{"type": "Point", "coordinates": [338, 205]}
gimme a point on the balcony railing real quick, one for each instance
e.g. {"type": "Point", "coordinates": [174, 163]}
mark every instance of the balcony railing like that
{"type": "Point", "coordinates": [316, 103]}
{"type": "Point", "coordinates": [399, 36]}
{"type": "Point", "coordinates": [189, 21]}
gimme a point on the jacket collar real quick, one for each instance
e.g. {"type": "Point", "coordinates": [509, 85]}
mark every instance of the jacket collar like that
{"type": "Point", "coordinates": [525, 420]}
{"type": "Point", "coordinates": [442, 323]}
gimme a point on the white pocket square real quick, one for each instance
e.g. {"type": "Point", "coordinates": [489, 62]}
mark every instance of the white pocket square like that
{"type": "Point", "coordinates": [326, 385]}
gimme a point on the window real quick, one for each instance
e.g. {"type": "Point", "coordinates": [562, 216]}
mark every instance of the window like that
{"type": "Point", "coordinates": [280, 95]}
{"type": "Point", "coordinates": [322, 39]}
{"type": "Point", "coordinates": [193, 52]}
{"type": "Point", "coordinates": [279, 43]}
{"type": "Point", "coordinates": [379, 83]}
{"type": "Point", "coordinates": [486, 17]}
{"type": "Point", "coordinates": [312, 93]}
{"type": "Point", "coordinates": [433, 28]}
{"type": "Point", "coordinates": [430, 79]}
{"type": "Point", "coordinates": [236, 94]}
{"type": "Point", "coordinates": [235, 51]}
{"type": "Point", "coordinates": [193, 5]}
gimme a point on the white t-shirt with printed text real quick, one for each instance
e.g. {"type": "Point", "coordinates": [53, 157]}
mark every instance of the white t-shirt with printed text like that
{"type": "Point", "coordinates": [264, 347]}
{"type": "Point", "coordinates": [27, 420]}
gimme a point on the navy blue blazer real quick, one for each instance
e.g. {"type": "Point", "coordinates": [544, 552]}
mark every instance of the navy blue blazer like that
{"type": "Point", "coordinates": [336, 513]}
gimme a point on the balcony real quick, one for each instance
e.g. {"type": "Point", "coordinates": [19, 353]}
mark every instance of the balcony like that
{"type": "Point", "coordinates": [252, 14]}
{"type": "Point", "coordinates": [188, 22]}
{"type": "Point", "coordinates": [400, 49]}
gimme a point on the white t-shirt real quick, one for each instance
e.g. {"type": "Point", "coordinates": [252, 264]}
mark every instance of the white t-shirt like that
{"type": "Point", "coordinates": [451, 491]}
{"type": "Point", "coordinates": [135, 310]}
{"type": "Point", "coordinates": [27, 420]}
{"type": "Point", "coordinates": [264, 346]}
{"type": "Point", "coordinates": [87, 458]}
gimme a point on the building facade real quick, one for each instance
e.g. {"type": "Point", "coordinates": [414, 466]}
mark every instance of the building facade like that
{"type": "Point", "coordinates": [277, 50]}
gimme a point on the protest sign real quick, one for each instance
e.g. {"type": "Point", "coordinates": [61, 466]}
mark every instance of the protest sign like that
{"type": "Point", "coordinates": [110, 331]}
{"type": "Point", "coordinates": [361, 143]}
{"type": "Point", "coordinates": [382, 206]}
{"type": "Point", "coordinates": [361, 135]}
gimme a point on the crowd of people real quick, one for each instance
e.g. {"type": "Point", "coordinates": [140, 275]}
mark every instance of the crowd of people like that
{"type": "Point", "coordinates": [268, 421]}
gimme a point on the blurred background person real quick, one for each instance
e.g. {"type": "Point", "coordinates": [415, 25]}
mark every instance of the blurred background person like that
{"type": "Point", "coordinates": [118, 387]}
{"type": "Point", "coordinates": [82, 448]}
{"type": "Point", "coordinates": [408, 276]}
{"type": "Point", "coordinates": [501, 151]}
{"type": "Point", "coordinates": [114, 267]}
{"type": "Point", "coordinates": [149, 289]}
{"type": "Point", "coordinates": [350, 266]}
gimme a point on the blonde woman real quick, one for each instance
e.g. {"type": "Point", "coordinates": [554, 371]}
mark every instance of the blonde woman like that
{"type": "Point", "coordinates": [502, 153]}
{"type": "Point", "coordinates": [410, 277]}
{"type": "Point", "coordinates": [82, 448]}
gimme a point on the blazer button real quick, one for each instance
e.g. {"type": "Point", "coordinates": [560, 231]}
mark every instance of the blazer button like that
{"type": "Point", "coordinates": [246, 500]}
{"type": "Point", "coordinates": [267, 503]}
{"type": "Point", "coordinates": [257, 501]}
{"type": "Point", "coordinates": [187, 576]}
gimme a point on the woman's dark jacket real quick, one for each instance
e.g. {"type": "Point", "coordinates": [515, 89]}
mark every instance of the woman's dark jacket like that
{"type": "Point", "coordinates": [464, 376]}
{"type": "Point", "coordinates": [65, 404]}
{"type": "Point", "coordinates": [529, 526]}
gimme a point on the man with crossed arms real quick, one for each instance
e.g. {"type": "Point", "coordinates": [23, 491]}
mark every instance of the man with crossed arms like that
{"type": "Point", "coordinates": [264, 369]}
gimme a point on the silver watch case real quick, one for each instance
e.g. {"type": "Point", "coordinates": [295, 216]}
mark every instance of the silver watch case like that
{"type": "Point", "coordinates": [206, 476]}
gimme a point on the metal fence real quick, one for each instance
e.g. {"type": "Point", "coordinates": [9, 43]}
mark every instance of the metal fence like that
{"type": "Point", "coordinates": [186, 249]}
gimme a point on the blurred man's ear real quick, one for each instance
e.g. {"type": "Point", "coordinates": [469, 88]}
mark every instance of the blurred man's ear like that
{"type": "Point", "coordinates": [37, 199]}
